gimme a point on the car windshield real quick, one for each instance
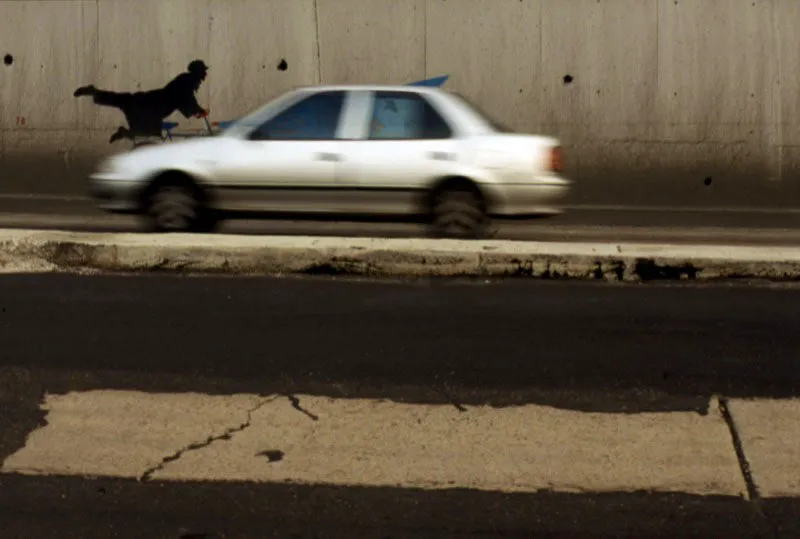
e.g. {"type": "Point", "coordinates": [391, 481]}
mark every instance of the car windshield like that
{"type": "Point", "coordinates": [254, 118]}
{"type": "Point", "coordinates": [497, 126]}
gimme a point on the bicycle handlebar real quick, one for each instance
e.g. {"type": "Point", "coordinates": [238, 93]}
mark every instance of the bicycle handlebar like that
{"type": "Point", "coordinates": [169, 126]}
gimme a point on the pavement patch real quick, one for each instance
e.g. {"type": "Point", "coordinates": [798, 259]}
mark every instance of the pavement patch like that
{"type": "Point", "coordinates": [770, 435]}
{"type": "Point", "coordinates": [370, 442]}
{"type": "Point", "coordinates": [123, 433]}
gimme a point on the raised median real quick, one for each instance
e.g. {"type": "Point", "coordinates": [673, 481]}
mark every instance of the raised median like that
{"type": "Point", "coordinates": [38, 251]}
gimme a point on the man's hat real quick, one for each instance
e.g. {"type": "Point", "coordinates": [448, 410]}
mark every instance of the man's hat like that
{"type": "Point", "coordinates": [197, 66]}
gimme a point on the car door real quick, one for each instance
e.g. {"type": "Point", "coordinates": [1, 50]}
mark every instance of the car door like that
{"type": "Point", "coordinates": [287, 163]}
{"type": "Point", "coordinates": [406, 143]}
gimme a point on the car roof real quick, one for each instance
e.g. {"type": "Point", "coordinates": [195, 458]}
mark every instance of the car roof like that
{"type": "Point", "coordinates": [370, 88]}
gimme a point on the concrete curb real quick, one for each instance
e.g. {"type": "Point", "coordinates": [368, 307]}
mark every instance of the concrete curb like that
{"type": "Point", "coordinates": [41, 251]}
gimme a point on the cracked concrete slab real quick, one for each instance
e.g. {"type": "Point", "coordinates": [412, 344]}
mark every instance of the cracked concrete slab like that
{"type": "Point", "coordinates": [122, 433]}
{"type": "Point", "coordinates": [518, 449]}
{"type": "Point", "coordinates": [317, 440]}
{"type": "Point", "coordinates": [770, 435]}
{"type": "Point", "coordinates": [194, 446]}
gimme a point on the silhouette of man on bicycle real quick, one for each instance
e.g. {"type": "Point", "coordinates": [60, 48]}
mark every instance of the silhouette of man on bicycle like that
{"type": "Point", "coordinates": [145, 111]}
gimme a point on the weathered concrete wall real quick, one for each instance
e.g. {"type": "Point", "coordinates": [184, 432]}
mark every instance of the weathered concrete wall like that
{"type": "Point", "coordinates": [248, 39]}
{"type": "Point", "coordinates": [676, 102]}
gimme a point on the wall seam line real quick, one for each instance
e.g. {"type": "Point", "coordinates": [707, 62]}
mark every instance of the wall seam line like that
{"type": "Point", "coordinates": [425, 40]}
{"type": "Point", "coordinates": [319, 50]}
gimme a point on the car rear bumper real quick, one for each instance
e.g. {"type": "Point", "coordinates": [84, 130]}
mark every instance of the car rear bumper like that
{"type": "Point", "coordinates": [112, 193]}
{"type": "Point", "coordinates": [540, 196]}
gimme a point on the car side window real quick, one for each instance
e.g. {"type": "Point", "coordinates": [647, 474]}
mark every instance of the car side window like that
{"type": "Point", "coordinates": [314, 118]}
{"type": "Point", "coordinates": [406, 116]}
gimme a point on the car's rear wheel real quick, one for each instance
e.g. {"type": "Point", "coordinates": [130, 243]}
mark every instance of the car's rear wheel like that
{"type": "Point", "coordinates": [459, 213]}
{"type": "Point", "coordinates": [176, 207]}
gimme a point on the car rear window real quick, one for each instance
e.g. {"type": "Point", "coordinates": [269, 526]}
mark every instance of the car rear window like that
{"type": "Point", "coordinates": [497, 126]}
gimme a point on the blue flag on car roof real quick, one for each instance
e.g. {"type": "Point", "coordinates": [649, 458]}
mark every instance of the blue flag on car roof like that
{"type": "Point", "coordinates": [431, 83]}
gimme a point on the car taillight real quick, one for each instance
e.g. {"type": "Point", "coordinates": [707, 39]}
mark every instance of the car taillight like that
{"type": "Point", "coordinates": [556, 159]}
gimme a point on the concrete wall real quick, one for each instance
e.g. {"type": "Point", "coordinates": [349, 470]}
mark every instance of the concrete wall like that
{"type": "Point", "coordinates": [677, 102]}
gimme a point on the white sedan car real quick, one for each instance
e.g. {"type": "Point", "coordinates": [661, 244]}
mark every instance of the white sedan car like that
{"type": "Point", "coordinates": [386, 151]}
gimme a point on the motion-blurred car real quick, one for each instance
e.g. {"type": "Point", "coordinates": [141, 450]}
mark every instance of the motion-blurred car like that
{"type": "Point", "coordinates": [391, 151]}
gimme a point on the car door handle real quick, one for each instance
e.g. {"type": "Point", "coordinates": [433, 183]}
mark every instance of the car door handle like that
{"type": "Point", "coordinates": [440, 156]}
{"type": "Point", "coordinates": [325, 156]}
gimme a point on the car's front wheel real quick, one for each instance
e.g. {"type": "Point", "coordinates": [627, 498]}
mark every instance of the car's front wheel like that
{"type": "Point", "coordinates": [176, 207]}
{"type": "Point", "coordinates": [459, 213]}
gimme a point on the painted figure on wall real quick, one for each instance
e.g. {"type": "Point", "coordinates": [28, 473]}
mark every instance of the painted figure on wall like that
{"type": "Point", "coordinates": [145, 111]}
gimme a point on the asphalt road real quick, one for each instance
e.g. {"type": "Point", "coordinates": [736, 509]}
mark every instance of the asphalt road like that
{"type": "Point", "coordinates": [485, 342]}
{"type": "Point", "coordinates": [603, 348]}
{"type": "Point", "coordinates": [101, 508]}
{"type": "Point", "coordinates": [662, 224]}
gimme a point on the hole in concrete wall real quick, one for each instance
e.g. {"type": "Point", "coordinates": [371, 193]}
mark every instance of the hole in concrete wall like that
{"type": "Point", "coordinates": [568, 79]}
{"type": "Point", "coordinates": [8, 59]}
{"type": "Point", "coordinates": [283, 66]}
{"type": "Point", "coordinates": [707, 181]}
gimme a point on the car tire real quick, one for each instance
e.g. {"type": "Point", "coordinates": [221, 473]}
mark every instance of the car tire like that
{"type": "Point", "coordinates": [176, 207]}
{"type": "Point", "coordinates": [459, 213]}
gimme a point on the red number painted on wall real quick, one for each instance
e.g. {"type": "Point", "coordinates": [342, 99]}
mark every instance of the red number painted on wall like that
{"type": "Point", "coordinates": [21, 120]}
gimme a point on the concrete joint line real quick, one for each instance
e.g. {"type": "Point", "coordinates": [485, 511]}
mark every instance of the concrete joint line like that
{"type": "Point", "coordinates": [226, 435]}
{"type": "Point", "coordinates": [753, 494]}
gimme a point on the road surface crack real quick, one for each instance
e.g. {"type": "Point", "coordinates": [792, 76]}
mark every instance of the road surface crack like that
{"type": "Point", "coordinates": [296, 405]}
{"type": "Point", "coordinates": [226, 435]}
